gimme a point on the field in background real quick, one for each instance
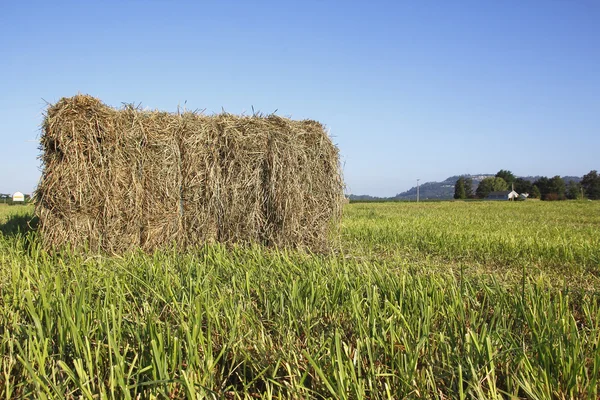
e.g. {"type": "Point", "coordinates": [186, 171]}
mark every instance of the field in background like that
{"type": "Point", "coordinates": [429, 300]}
{"type": "Point", "coordinates": [555, 241]}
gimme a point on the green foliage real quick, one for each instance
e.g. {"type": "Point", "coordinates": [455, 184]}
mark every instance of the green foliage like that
{"type": "Point", "coordinates": [535, 192]}
{"type": "Point", "coordinates": [459, 189]}
{"type": "Point", "coordinates": [543, 185]}
{"type": "Point", "coordinates": [551, 189]}
{"type": "Point", "coordinates": [491, 184]}
{"type": "Point", "coordinates": [429, 300]}
{"type": "Point", "coordinates": [522, 186]}
{"type": "Point", "coordinates": [469, 188]}
{"type": "Point", "coordinates": [573, 191]}
{"type": "Point", "coordinates": [463, 189]}
{"type": "Point", "coordinates": [557, 185]}
{"type": "Point", "coordinates": [508, 176]}
{"type": "Point", "coordinates": [591, 185]}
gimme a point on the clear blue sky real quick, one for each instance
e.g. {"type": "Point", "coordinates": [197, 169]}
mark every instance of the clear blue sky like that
{"type": "Point", "coordinates": [409, 89]}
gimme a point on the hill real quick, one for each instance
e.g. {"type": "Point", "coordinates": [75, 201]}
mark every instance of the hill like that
{"type": "Point", "coordinates": [438, 190]}
{"type": "Point", "coordinates": [445, 190]}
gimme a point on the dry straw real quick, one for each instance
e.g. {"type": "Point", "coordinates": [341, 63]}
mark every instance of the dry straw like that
{"type": "Point", "coordinates": [115, 180]}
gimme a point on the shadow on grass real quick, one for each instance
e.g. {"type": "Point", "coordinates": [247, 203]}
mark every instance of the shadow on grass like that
{"type": "Point", "coordinates": [19, 223]}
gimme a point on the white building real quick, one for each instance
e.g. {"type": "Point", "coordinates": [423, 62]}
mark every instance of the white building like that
{"type": "Point", "coordinates": [18, 197]}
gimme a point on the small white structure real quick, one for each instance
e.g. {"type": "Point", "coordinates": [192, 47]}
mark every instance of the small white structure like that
{"type": "Point", "coordinates": [18, 197]}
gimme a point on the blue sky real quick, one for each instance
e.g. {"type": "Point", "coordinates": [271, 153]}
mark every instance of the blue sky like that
{"type": "Point", "coordinates": [409, 89]}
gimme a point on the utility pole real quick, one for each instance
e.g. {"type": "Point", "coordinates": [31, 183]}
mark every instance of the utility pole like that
{"type": "Point", "coordinates": [418, 189]}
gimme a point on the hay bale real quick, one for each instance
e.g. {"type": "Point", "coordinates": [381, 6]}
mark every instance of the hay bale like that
{"type": "Point", "coordinates": [116, 180]}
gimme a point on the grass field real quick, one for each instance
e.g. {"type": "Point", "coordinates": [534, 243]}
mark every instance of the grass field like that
{"type": "Point", "coordinates": [430, 300]}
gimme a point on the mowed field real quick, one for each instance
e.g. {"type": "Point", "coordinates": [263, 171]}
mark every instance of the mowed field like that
{"type": "Point", "coordinates": [430, 300]}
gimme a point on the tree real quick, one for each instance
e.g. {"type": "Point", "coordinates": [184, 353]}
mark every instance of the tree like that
{"type": "Point", "coordinates": [508, 176]}
{"type": "Point", "coordinates": [551, 189]}
{"type": "Point", "coordinates": [573, 191]}
{"type": "Point", "coordinates": [488, 185]}
{"type": "Point", "coordinates": [500, 184]}
{"type": "Point", "coordinates": [459, 189]}
{"type": "Point", "coordinates": [484, 188]}
{"type": "Point", "coordinates": [558, 187]}
{"type": "Point", "coordinates": [535, 193]}
{"type": "Point", "coordinates": [522, 185]}
{"type": "Point", "coordinates": [469, 188]}
{"type": "Point", "coordinates": [591, 185]}
{"type": "Point", "coordinates": [543, 185]}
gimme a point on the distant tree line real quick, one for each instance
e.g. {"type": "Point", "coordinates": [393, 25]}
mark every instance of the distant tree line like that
{"type": "Point", "coordinates": [7, 198]}
{"type": "Point", "coordinates": [543, 188]}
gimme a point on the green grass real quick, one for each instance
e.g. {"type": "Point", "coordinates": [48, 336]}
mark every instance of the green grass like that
{"type": "Point", "coordinates": [554, 240]}
{"type": "Point", "coordinates": [435, 300]}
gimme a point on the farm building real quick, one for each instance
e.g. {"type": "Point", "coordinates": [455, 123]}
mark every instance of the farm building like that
{"type": "Point", "coordinates": [503, 195]}
{"type": "Point", "coordinates": [18, 197]}
{"type": "Point", "coordinates": [116, 180]}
